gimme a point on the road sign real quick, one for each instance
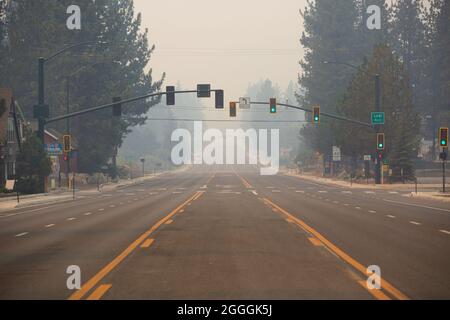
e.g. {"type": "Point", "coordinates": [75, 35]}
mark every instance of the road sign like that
{"type": "Point", "coordinates": [54, 149]}
{"type": "Point", "coordinates": [336, 153]}
{"type": "Point", "coordinates": [244, 103]}
{"type": "Point", "coordinates": [367, 157]}
{"type": "Point", "coordinates": [377, 118]}
{"type": "Point", "coordinates": [203, 91]}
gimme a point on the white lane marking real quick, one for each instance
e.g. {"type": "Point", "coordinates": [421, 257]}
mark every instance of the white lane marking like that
{"type": "Point", "coordinates": [358, 208]}
{"type": "Point", "coordinates": [153, 193]}
{"type": "Point", "coordinates": [270, 187]}
{"type": "Point", "coordinates": [369, 192]}
{"type": "Point", "coordinates": [204, 187]}
{"type": "Point", "coordinates": [112, 206]}
{"type": "Point", "coordinates": [101, 209]}
{"type": "Point", "coordinates": [393, 192]}
{"type": "Point", "coordinates": [336, 202]}
{"type": "Point", "coordinates": [50, 225]}
{"type": "Point", "coordinates": [180, 188]}
{"type": "Point", "coordinates": [177, 192]}
{"type": "Point", "coordinates": [372, 211]}
{"type": "Point", "coordinates": [21, 234]}
{"type": "Point", "coordinates": [71, 219]}
{"type": "Point", "coordinates": [417, 205]}
{"type": "Point", "coordinates": [415, 222]}
{"type": "Point", "coordinates": [444, 231]}
{"type": "Point", "coordinates": [390, 216]}
{"type": "Point", "coordinates": [346, 204]}
{"type": "Point", "coordinates": [322, 191]}
{"type": "Point", "coordinates": [277, 191]}
{"type": "Point", "coordinates": [299, 191]}
{"type": "Point", "coordinates": [88, 213]}
{"type": "Point", "coordinates": [347, 192]}
{"type": "Point", "coordinates": [19, 213]}
{"type": "Point", "coordinates": [254, 192]}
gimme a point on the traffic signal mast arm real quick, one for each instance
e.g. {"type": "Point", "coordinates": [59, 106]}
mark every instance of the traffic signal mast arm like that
{"type": "Point", "coordinates": [110, 105]}
{"type": "Point", "coordinates": [325, 114]}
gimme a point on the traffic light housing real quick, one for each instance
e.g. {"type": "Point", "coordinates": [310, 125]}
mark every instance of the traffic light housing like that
{"type": "Point", "coordinates": [67, 143]}
{"type": "Point", "coordinates": [170, 95]}
{"type": "Point", "coordinates": [117, 108]}
{"type": "Point", "coordinates": [380, 141]}
{"type": "Point", "coordinates": [273, 105]}
{"type": "Point", "coordinates": [316, 115]}
{"type": "Point", "coordinates": [233, 109]}
{"type": "Point", "coordinates": [219, 99]}
{"type": "Point", "coordinates": [66, 157]}
{"type": "Point", "coordinates": [443, 137]}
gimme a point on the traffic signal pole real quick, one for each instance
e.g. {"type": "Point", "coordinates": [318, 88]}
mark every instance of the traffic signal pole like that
{"type": "Point", "coordinates": [378, 166]}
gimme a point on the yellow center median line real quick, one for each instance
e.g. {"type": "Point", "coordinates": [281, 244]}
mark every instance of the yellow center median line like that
{"type": "Point", "coordinates": [344, 256]}
{"type": "Point", "coordinates": [99, 292]}
{"type": "Point", "coordinates": [79, 294]}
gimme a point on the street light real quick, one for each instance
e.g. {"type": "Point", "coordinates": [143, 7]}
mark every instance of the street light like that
{"type": "Point", "coordinates": [377, 83]}
{"type": "Point", "coordinates": [41, 110]}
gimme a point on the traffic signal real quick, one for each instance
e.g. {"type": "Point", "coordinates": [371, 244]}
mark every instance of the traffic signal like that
{"type": "Point", "coordinates": [203, 90]}
{"type": "Point", "coordinates": [443, 137]}
{"type": "Point", "coordinates": [170, 95]}
{"type": "Point", "coordinates": [66, 157]}
{"type": "Point", "coordinates": [273, 105]}
{"type": "Point", "coordinates": [67, 143]}
{"type": "Point", "coordinates": [316, 114]}
{"type": "Point", "coordinates": [233, 109]}
{"type": "Point", "coordinates": [380, 141]}
{"type": "Point", "coordinates": [219, 99]}
{"type": "Point", "coordinates": [117, 108]}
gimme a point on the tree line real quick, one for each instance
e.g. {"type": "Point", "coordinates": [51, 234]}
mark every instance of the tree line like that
{"type": "Point", "coordinates": [411, 52]}
{"type": "Point", "coordinates": [92, 75]}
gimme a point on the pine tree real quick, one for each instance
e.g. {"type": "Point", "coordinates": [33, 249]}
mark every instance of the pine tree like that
{"type": "Point", "coordinates": [330, 34]}
{"type": "Point", "coordinates": [402, 122]}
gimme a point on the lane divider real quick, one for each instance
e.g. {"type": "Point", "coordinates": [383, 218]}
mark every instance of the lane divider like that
{"type": "Point", "coordinates": [99, 292]}
{"type": "Point", "coordinates": [344, 256]}
{"type": "Point", "coordinates": [91, 283]}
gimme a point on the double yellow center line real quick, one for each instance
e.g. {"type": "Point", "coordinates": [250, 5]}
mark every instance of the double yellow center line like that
{"type": "Point", "coordinates": [386, 286]}
{"type": "Point", "coordinates": [79, 294]}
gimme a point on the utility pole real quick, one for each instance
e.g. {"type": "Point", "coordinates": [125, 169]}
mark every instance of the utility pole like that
{"type": "Point", "coordinates": [378, 166]}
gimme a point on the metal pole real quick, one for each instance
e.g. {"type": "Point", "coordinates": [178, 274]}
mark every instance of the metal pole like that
{"type": "Point", "coordinates": [41, 119]}
{"type": "Point", "coordinates": [378, 165]}
{"type": "Point", "coordinates": [443, 175]}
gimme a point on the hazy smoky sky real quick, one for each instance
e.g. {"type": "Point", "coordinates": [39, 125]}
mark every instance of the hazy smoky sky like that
{"type": "Point", "coordinates": [226, 43]}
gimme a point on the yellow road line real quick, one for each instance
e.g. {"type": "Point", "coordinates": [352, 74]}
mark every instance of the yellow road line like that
{"type": "Point", "coordinates": [377, 293]}
{"type": "Point", "coordinates": [117, 260]}
{"type": "Point", "coordinates": [344, 256]}
{"type": "Point", "coordinates": [168, 222]}
{"type": "Point", "coordinates": [244, 181]}
{"type": "Point", "coordinates": [147, 243]}
{"type": "Point", "coordinates": [315, 241]}
{"type": "Point", "coordinates": [99, 292]}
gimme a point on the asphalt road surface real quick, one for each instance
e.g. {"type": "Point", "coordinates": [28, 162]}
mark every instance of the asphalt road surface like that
{"type": "Point", "coordinates": [226, 233]}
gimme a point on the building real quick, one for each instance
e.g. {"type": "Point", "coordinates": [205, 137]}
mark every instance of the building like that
{"type": "Point", "coordinates": [11, 136]}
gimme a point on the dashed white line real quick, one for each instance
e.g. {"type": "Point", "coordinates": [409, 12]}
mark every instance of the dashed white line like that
{"type": "Point", "coordinates": [444, 231]}
{"type": "Point", "coordinates": [322, 191]}
{"type": "Point", "coordinates": [346, 204]}
{"type": "Point", "coordinates": [112, 206]}
{"type": "Point", "coordinates": [369, 192]}
{"type": "Point", "coordinates": [277, 191]}
{"type": "Point", "coordinates": [50, 225]}
{"type": "Point", "coordinates": [21, 234]}
{"type": "Point", "coordinates": [372, 211]}
{"type": "Point", "coordinates": [299, 191]}
{"type": "Point", "coordinates": [71, 219]}
{"type": "Point", "coordinates": [390, 216]}
{"type": "Point", "coordinates": [336, 202]}
{"type": "Point", "coordinates": [358, 208]}
{"type": "Point", "coordinates": [415, 223]}
{"type": "Point", "coordinates": [393, 192]}
{"type": "Point", "coordinates": [101, 209]}
{"type": "Point", "coordinates": [88, 213]}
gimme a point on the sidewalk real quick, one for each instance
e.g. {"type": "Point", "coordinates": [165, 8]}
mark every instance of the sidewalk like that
{"type": "Point", "coordinates": [432, 194]}
{"type": "Point", "coordinates": [10, 203]}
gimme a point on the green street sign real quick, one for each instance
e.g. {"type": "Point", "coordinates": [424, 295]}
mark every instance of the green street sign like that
{"type": "Point", "coordinates": [377, 117]}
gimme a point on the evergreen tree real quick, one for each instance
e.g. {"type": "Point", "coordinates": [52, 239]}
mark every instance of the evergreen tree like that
{"type": "Point", "coordinates": [402, 122]}
{"type": "Point", "coordinates": [330, 34]}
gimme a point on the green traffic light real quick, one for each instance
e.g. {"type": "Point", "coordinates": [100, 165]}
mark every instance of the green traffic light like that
{"type": "Point", "coordinates": [316, 119]}
{"type": "Point", "coordinates": [380, 145]}
{"type": "Point", "coordinates": [442, 142]}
